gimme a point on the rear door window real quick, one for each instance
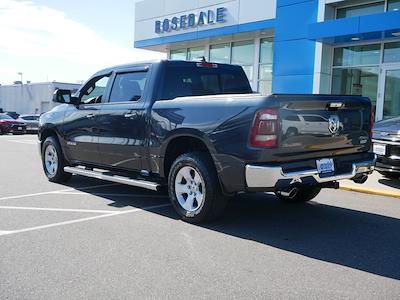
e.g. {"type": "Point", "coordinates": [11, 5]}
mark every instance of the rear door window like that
{"type": "Point", "coordinates": [191, 80]}
{"type": "Point", "coordinates": [128, 86]}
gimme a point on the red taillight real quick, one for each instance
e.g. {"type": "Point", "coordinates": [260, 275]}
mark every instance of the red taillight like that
{"type": "Point", "coordinates": [264, 132]}
{"type": "Point", "coordinates": [371, 121]}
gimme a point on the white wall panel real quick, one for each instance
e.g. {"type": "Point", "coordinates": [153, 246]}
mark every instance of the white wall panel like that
{"type": "Point", "coordinates": [256, 10]}
{"type": "Point", "coordinates": [149, 9]}
{"type": "Point", "coordinates": [29, 98]}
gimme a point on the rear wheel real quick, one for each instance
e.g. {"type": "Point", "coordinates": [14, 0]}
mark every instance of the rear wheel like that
{"type": "Point", "coordinates": [194, 190]}
{"type": "Point", "coordinates": [390, 175]}
{"type": "Point", "coordinates": [292, 132]}
{"type": "Point", "coordinates": [304, 194]}
{"type": "Point", "coordinates": [53, 161]}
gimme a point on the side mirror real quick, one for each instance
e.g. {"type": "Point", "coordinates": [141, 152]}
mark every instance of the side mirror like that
{"type": "Point", "coordinates": [64, 96]}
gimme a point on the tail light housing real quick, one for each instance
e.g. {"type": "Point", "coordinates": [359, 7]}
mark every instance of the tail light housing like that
{"type": "Point", "coordinates": [264, 132]}
{"type": "Point", "coordinates": [371, 121]}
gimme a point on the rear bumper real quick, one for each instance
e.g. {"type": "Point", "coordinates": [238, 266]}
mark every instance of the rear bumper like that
{"type": "Point", "coordinates": [387, 165]}
{"type": "Point", "coordinates": [263, 177]}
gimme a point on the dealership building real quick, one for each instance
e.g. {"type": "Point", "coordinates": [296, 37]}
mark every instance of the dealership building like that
{"type": "Point", "coordinates": [286, 46]}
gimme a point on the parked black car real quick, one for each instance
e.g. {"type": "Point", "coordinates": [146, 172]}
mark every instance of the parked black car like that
{"type": "Point", "coordinates": [197, 129]}
{"type": "Point", "coordinates": [386, 139]}
{"type": "Point", "coordinates": [10, 125]}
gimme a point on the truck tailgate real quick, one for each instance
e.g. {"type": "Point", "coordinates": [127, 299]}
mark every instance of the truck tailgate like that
{"type": "Point", "coordinates": [323, 123]}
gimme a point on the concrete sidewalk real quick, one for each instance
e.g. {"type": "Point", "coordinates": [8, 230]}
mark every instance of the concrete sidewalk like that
{"type": "Point", "coordinates": [375, 185]}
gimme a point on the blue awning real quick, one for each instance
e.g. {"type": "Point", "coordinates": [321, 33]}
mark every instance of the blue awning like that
{"type": "Point", "coordinates": [376, 27]}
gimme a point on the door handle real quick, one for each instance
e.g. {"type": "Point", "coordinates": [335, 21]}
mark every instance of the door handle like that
{"type": "Point", "coordinates": [90, 116]}
{"type": "Point", "coordinates": [129, 115]}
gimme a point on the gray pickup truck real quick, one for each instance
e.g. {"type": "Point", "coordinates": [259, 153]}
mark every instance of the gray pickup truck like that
{"type": "Point", "coordinates": [197, 129]}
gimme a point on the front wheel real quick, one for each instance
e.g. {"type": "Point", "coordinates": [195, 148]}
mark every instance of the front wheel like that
{"type": "Point", "coordinates": [303, 194]}
{"type": "Point", "coordinates": [194, 190]}
{"type": "Point", "coordinates": [53, 161]}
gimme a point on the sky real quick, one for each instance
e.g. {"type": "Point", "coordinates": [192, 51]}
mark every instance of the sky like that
{"type": "Point", "coordinates": [65, 40]}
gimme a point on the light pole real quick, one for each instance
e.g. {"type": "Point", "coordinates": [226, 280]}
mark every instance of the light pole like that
{"type": "Point", "coordinates": [20, 74]}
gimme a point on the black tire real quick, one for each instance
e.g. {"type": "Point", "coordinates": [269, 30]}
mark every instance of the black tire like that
{"type": "Point", "coordinates": [213, 203]}
{"type": "Point", "coordinates": [390, 175]}
{"type": "Point", "coordinates": [303, 195]}
{"type": "Point", "coordinates": [292, 132]}
{"type": "Point", "coordinates": [59, 175]}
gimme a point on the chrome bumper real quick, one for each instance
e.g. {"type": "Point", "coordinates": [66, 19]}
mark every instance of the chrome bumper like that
{"type": "Point", "coordinates": [268, 176]}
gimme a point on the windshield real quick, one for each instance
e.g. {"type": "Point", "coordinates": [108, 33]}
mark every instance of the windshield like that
{"type": "Point", "coordinates": [5, 117]}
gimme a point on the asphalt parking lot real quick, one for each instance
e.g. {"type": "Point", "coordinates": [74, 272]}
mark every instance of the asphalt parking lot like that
{"type": "Point", "coordinates": [92, 239]}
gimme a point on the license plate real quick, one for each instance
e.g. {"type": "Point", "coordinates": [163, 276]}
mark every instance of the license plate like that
{"type": "Point", "coordinates": [19, 128]}
{"type": "Point", "coordinates": [379, 149]}
{"type": "Point", "coordinates": [325, 165]}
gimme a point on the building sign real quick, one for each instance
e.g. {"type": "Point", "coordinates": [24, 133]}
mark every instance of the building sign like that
{"type": "Point", "coordinates": [191, 20]}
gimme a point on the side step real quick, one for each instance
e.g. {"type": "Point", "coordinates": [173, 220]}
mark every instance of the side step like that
{"type": "Point", "coordinates": [114, 178]}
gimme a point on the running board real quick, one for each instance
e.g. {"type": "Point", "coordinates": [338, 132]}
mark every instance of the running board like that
{"type": "Point", "coordinates": [114, 178]}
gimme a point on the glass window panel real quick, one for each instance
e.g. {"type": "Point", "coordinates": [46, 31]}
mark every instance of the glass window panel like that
{"type": "Point", "coordinates": [95, 90]}
{"type": "Point", "coordinates": [265, 72]}
{"type": "Point", "coordinates": [393, 5]}
{"type": "Point", "coordinates": [391, 106]}
{"type": "Point", "coordinates": [249, 72]}
{"type": "Point", "coordinates": [265, 87]}
{"type": "Point", "coordinates": [391, 53]}
{"type": "Point", "coordinates": [220, 53]}
{"type": "Point", "coordinates": [190, 80]}
{"type": "Point", "coordinates": [360, 10]}
{"type": "Point", "coordinates": [356, 81]}
{"type": "Point", "coordinates": [357, 55]}
{"type": "Point", "coordinates": [195, 54]}
{"type": "Point", "coordinates": [243, 53]}
{"type": "Point", "coordinates": [179, 54]}
{"type": "Point", "coordinates": [266, 50]}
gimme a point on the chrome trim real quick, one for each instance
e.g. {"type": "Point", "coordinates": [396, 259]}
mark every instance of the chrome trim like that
{"type": "Point", "coordinates": [385, 142]}
{"type": "Point", "coordinates": [268, 176]}
{"type": "Point", "coordinates": [113, 178]}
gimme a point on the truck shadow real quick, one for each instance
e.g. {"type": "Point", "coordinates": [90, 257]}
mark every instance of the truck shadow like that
{"type": "Point", "coordinates": [351, 238]}
{"type": "Point", "coordinates": [355, 239]}
{"type": "Point", "coordinates": [394, 183]}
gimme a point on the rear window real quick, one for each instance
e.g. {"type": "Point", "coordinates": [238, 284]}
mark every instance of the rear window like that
{"type": "Point", "coordinates": [313, 119]}
{"type": "Point", "coordinates": [192, 80]}
{"type": "Point", "coordinates": [293, 118]}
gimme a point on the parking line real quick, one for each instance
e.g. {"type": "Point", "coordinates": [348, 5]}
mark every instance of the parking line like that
{"type": "Point", "coordinates": [27, 142]}
{"type": "Point", "coordinates": [55, 192]}
{"type": "Point", "coordinates": [3, 232]}
{"type": "Point", "coordinates": [59, 209]}
{"type": "Point", "coordinates": [147, 208]}
{"type": "Point", "coordinates": [113, 194]}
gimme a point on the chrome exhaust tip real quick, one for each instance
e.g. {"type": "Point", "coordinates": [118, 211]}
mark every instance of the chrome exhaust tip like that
{"type": "Point", "coordinates": [290, 193]}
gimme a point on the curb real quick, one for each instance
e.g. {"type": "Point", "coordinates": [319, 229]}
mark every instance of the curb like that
{"type": "Point", "coordinates": [369, 191]}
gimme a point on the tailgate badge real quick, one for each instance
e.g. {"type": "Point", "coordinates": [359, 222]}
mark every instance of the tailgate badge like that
{"type": "Point", "coordinates": [334, 124]}
{"type": "Point", "coordinates": [336, 105]}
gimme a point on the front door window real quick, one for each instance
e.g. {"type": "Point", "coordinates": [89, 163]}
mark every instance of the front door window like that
{"type": "Point", "coordinates": [94, 90]}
